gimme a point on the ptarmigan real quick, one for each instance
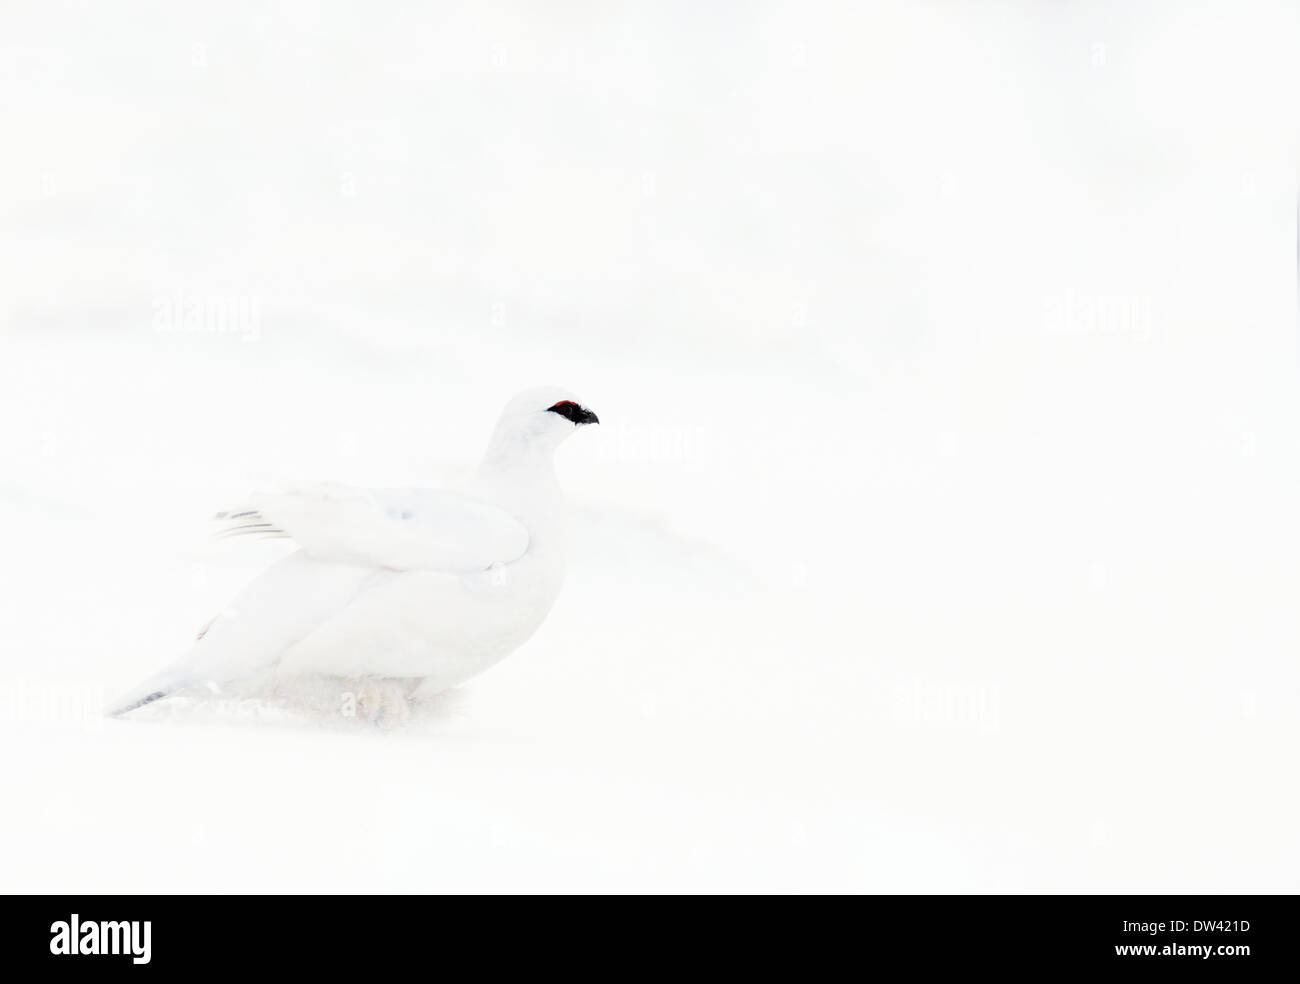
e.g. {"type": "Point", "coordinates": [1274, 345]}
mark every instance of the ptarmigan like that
{"type": "Point", "coordinates": [393, 595]}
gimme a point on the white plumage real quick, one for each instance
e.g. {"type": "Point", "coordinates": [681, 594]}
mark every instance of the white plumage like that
{"type": "Point", "coordinates": [393, 594]}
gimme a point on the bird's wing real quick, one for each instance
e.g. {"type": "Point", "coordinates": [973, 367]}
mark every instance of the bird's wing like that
{"type": "Point", "coordinates": [394, 529]}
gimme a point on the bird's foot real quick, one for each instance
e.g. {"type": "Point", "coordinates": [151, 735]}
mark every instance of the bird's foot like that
{"type": "Point", "coordinates": [382, 703]}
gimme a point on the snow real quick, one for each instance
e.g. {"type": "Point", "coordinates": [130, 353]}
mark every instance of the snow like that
{"type": "Point", "coordinates": [939, 533]}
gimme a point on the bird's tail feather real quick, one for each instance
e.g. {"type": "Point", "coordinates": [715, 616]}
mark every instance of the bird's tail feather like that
{"type": "Point", "coordinates": [155, 688]}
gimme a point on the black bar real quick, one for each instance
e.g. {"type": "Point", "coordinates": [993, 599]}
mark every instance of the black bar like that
{"type": "Point", "coordinates": [372, 935]}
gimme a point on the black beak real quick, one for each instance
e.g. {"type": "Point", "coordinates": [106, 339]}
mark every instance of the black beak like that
{"type": "Point", "coordinates": [571, 411]}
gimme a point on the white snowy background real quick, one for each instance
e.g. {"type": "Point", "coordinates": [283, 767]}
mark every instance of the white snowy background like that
{"type": "Point", "coordinates": [940, 531]}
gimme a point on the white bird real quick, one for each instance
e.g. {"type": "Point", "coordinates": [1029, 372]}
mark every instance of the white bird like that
{"type": "Point", "coordinates": [394, 595]}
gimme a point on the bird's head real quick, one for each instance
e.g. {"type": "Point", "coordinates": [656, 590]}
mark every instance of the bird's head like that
{"type": "Point", "coordinates": [543, 417]}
